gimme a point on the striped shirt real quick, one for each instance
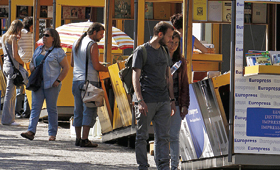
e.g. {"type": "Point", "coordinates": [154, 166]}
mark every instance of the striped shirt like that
{"type": "Point", "coordinates": [26, 44]}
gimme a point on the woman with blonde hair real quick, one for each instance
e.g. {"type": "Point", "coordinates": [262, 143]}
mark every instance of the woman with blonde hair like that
{"type": "Point", "coordinates": [10, 48]}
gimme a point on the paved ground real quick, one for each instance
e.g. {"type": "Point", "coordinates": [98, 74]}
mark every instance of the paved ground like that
{"type": "Point", "coordinates": [19, 153]}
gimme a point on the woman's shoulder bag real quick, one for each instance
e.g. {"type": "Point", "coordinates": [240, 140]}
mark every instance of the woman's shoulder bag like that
{"type": "Point", "coordinates": [36, 77]}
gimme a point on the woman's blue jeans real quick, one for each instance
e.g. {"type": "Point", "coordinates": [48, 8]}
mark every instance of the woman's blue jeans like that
{"type": "Point", "coordinates": [174, 138]}
{"type": "Point", "coordinates": [38, 97]}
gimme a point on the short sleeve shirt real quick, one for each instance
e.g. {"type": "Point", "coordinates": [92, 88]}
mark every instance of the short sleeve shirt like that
{"type": "Point", "coordinates": [153, 76]}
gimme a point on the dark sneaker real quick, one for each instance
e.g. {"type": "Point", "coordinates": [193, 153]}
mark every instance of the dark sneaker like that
{"type": "Point", "coordinates": [87, 143]}
{"type": "Point", "coordinates": [78, 142]}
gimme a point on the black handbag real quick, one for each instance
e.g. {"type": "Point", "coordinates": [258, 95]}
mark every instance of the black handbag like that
{"type": "Point", "coordinates": [36, 77]}
{"type": "Point", "coordinates": [17, 77]}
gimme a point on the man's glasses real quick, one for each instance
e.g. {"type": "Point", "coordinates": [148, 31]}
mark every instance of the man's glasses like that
{"type": "Point", "coordinates": [46, 35]}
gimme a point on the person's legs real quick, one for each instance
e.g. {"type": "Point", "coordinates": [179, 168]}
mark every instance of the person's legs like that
{"type": "Point", "coordinates": [51, 96]}
{"type": "Point", "coordinates": [161, 124]}
{"type": "Point", "coordinates": [8, 112]}
{"type": "Point", "coordinates": [78, 110]}
{"type": "Point", "coordinates": [142, 135]}
{"type": "Point", "coordinates": [37, 103]}
{"type": "Point", "coordinates": [174, 138]}
{"type": "Point", "coordinates": [19, 100]}
{"type": "Point", "coordinates": [26, 108]}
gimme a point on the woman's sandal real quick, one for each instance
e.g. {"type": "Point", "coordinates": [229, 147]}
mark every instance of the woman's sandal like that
{"type": "Point", "coordinates": [28, 135]}
{"type": "Point", "coordinates": [52, 138]}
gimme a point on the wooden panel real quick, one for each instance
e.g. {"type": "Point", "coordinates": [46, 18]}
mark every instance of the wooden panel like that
{"type": "Point", "coordinates": [261, 69]}
{"type": "Point", "coordinates": [208, 57]}
{"type": "Point", "coordinates": [117, 122]}
{"type": "Point", "coordinates": [205, 66]}
{"type": "Point", "coordinates": [120, 95]}
{"type": "Point", "coordinates": [104, 119]}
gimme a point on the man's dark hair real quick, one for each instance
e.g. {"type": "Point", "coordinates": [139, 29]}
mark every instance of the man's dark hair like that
{"type": "Point", "coordinates": [27, 23]}
{"type": "Point", "coordinates": [177, 21]}
{"type": "Point", "coordinates": [162, 27]}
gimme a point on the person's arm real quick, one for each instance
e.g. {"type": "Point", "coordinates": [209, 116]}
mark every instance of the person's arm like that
{"type": "Point", "coordinates": [171, 92]}
{"type": "Point", "coordinates": [72, 60]}
{"type": "Point", "coordinates": [200, 46]}
{"type": "Point", "coordinates": [143, 108]}
{"type": "Point", "coordinates": [15, 49]}
{"type": "Point", "coordinates": [65, 68]}
{"type": "Point", "coordinates": [185, 96]}
{"type": "Point", "coordinates": [95, 60]}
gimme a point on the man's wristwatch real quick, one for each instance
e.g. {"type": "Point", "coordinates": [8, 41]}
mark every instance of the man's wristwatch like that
{"type": "Point", "coordinates": [172, 100]}
{"type": "Point", "coordinates": [58, 80]}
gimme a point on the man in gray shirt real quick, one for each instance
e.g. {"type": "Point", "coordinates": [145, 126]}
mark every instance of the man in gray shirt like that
{"type": "Point", "coordinates": [154, 97]}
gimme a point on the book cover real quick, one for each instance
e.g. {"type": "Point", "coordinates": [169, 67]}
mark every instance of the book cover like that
{"type": "Point", "coordinates": [66, 12]}
{"type": "Point", "coordinates": [81, 12]}
{"type": "Point", "coordinates": [259, 13]}
{"type": "Point", "coordinates": [74, 12]}
{"type": "Point", "coordinates": [4, 11]}
{"type": "Point", "coordinates": [88, 12]}
{"type": "Point", "coordinates": [122, 9]}
{"type": "Point", "coordinates": [200, 10]}
{"type": "Point", "coordinates": [226, 11]}
{"type": "Point", "coordinates": [248, 13]}
{"type": "Point", "coordinates": [162, 10]}
{"type": "Point", "coordinates": [44, 12]}
{"type": "Point", "coordinates": [22, 11]}
{"type": "Point", "coordinates": [50, 11]}
{"type": "Point", "coordinates": [215, 11]}
{"type": "Point", "coordinates": [149, 10]}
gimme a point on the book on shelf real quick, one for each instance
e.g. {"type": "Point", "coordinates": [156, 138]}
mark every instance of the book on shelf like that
{"type": "Point", "coordinates": [4, 23]}
{"type": "Point", "coordinates": [149, 10]}
{"type": "Point", "coordinates": [66, 12]}
{"type": "Point", "coordinates": [259, 13]}
{"type": "Point", "coordinates": [44, 12]}
{"type": "Point", "coordinates": [4, 11]}
{"type": "Point", "coordinates": [81, 12]}
{"type": "Point", "coordinates": [215, 11]}
{"type": "Point", "coordinates": [22, 11]}
{"type": "Point", "coordinates": [161, 10]}
{"type": "Point", "coordinates": [248, 13]}
{"type": "Point", "coordinates": [122, 8]}
{"type": "Point", "coordinates": [226, 11]}
{"type": "Point", "coordinates": [87, 12]}
{"type": "Point", "coordinates": [200, 10]}
{"type": "Point", "coordinates": [50, 11]}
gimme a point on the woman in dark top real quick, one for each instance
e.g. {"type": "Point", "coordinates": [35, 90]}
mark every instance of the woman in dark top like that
{"type": "Point", "coordinates": [181, 94]}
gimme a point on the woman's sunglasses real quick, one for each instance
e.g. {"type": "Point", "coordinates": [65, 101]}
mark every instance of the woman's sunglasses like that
{"type": "Point", "coordinates": [46, 35]}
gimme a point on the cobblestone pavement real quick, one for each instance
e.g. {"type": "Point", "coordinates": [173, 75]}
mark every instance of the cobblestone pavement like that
{"type": "Point", "coordinates": [19, 153]}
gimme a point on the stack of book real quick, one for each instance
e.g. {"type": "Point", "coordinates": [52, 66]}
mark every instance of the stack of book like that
{"type": "Point", "coordinates": [258, 58]}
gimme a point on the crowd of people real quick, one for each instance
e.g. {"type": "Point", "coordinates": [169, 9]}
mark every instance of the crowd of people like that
{"type": "Point", "coordinates": [160, 98]}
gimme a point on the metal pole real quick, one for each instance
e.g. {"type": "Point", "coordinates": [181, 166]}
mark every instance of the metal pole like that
{"type": "Point", "coordinates": [202, 33]}
{"type": "Point", "coordinates": [232, 79]}
{"type": "Point", "coordinates": [134, 46]}
{"type": "Point", "coordinates": [35, 20]}
{"type": "Point", "coordinates": [135, 23]}
{"type": "Point", "coordinates": [107, 26]}
{"type": "Point", "coordinates": [54, 13]}
{"type": "Point", "coordinates": [186, 30]}
{"type": "Point", "coordinates": [10, 13]}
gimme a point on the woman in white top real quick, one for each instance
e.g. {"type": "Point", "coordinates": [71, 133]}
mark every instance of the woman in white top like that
{"type": "Point", "coordinates": [9, 40]}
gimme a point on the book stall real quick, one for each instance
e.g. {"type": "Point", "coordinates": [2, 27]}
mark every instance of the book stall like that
{"type": "Point", "coordinates": [233, 120]}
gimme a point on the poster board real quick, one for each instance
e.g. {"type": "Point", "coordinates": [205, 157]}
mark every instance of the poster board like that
{"type": "Point", "coordinates": [162, 11]}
